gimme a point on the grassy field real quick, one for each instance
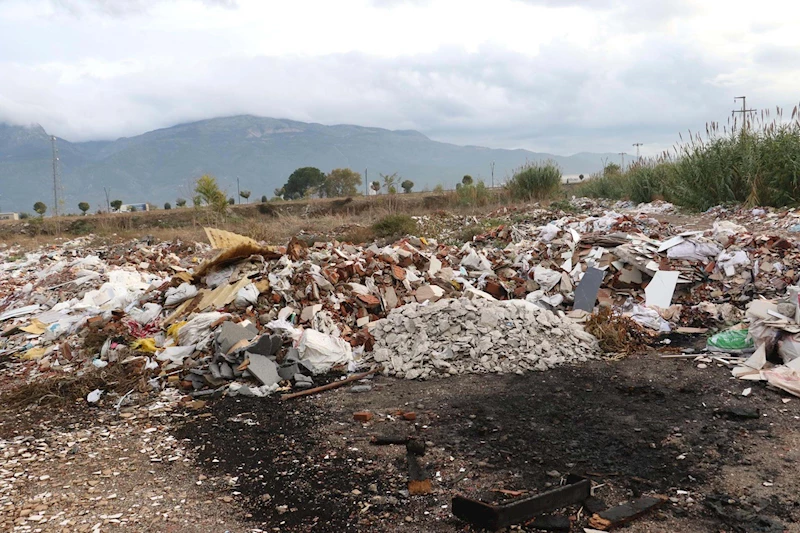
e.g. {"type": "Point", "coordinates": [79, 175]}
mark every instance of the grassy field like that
{"type": "Point", "coordinates": [274, 222]}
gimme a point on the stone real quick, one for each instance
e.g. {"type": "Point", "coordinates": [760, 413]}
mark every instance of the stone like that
{"type": "Point", "coordinates": [266, 345]}
{"type": "Point", "coordinates": [264, 369]}
{"type": "Point", "coordinates": [225, 370]}
{"type": "Point", "coordinates": [230, 334]}
{"type": "Point", "coordinates": [292, 356]}
{"type": "Point", "coordinates": [429, 292]}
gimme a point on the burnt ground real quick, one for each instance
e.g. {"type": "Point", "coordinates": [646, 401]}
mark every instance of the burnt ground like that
{"type": "Point", "coordinates": [641, 425]}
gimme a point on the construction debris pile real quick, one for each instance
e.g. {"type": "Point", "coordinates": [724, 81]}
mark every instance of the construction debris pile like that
{"type": "Point", "coordinates": [476, 335]}
{"type": "Point", "coordinates": [239, 317]}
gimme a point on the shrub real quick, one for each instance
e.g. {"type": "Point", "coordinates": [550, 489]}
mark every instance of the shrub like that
{"type": "Point", "coordinates": [472, 195]}
{"type": "Point", "coordinates": [535, 181]}
{"type": "Point", "coordinates": [264, 199]}
{"type": "Point", "coordinates": [267, 209]}
{"type": "Point", "coordinates": [167, 205]}
{"type": "Point", "coordinates": [24, 216]}
{"type": "Point", "coordinates": [359, 235]}
{"type": "Point", "coordinates": [394, 226]}
{"type": "Point", "coordinates": [80, 227]}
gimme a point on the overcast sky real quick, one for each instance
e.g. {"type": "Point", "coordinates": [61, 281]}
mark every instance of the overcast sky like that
{"type": "Point", "coordinates": [549, 75]}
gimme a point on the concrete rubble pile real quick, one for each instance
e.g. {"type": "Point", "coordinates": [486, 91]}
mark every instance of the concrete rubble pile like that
{"type": "Point", "coordinates": [478, 335]}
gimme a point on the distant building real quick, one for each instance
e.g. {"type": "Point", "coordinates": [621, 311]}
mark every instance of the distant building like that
{"type": "Point", "coordinates": [9, 216]}
{"type": "Point", "coordinates": [127, 208]}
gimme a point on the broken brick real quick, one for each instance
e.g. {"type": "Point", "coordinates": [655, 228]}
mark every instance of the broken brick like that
{"type": "Point", "coordinates": [362, 416]}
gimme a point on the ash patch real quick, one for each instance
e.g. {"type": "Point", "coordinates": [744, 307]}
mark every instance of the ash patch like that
{"type": "Point", "coordinates": [604, 423]}
{"type": "Point", "coordinates": [287, 476]}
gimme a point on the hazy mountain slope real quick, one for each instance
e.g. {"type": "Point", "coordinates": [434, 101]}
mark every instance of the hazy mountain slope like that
{"type": "Point", "coordinates": [160, 165]}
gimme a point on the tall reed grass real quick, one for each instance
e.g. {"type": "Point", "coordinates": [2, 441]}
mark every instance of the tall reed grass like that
{"type": "Point", "coordinates": [756, 162]}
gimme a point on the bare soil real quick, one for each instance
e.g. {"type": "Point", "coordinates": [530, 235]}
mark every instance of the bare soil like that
{"type": "Point", "coordinates": [642, 425]}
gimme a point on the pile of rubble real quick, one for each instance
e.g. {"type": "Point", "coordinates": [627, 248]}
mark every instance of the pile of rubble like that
{"type": "Point", "coordinates": [239, 317]}
{"type": "Point", "coordinates": [476, 335]}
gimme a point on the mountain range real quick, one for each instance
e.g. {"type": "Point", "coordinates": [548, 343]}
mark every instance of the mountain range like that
{"type": "Point", "coordinates": [161, 165]}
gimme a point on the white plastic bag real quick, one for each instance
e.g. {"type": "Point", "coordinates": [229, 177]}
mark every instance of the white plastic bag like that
{"type": "Point", "coordinates": [247, 295]}
{"type": "Point", "coordinates": [324, 351]}
{"type": "Point", "coordinates": [182, 292]}
{"type": "Point", "coordinates": [546, 278]}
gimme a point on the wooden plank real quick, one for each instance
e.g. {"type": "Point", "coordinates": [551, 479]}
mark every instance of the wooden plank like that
{"type": "Point", "coordinates": [497, 517]}
{"type": "Point", "coordinates": [622, 514]}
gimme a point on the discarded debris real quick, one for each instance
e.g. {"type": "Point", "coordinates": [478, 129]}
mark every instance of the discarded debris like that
{"type": "Point", "coordinates": [494, 517]}
{"type": "Point", "coordinates": [622, 514]}
{"type": "Point", "coordinates": [332, 385]}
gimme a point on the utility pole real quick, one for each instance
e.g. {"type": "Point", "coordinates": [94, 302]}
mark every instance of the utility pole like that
{"type": "Point", "coordinates": [743, 111]}
{"type": "Point", "coordinates": [637, 145]}
{"type": "Point", "coordinates": [366, 182]}
{"type": "Point", "coordinates": [238, 192]}
{"type": "Point", "coordinates": [492, 167]}
{"type": "Point", "coordinates": [108, 199]}
{"type": "Point", "coordinates": [622, 159]}
{"type": "Point", "coordinates": [55, 177]}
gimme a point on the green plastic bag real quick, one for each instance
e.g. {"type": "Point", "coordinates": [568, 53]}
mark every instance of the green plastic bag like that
{"type": "Point", "coordinates": [732, 340]}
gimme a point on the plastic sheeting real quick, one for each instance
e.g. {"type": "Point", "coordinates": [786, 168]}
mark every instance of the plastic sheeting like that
{"type": "Point", "coordinates": [197, 331]}
{"type": "Point", "coordinates": [247, 295]}
{"type": "Point", "coordinates": [181, 293]}
{"type": "Point", "coordinates": [694, 250]}
{"type": "Point", "coordinates": [324, 351]}
{"type": "Point", "coordinates": [546, 278]}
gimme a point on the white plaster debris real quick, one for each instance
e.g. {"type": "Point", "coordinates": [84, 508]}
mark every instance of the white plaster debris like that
{"type": "Point", "coordinates": [456, 336]}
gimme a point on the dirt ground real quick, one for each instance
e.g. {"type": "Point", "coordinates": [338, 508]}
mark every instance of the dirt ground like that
{"type": "Point", "coordinates": [641, 425]}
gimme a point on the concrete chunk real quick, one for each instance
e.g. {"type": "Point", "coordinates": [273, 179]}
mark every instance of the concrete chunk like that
{"type": "Point", "coordinates": [230, 334]}
{"type": "Point", "coordinates": [264, 369]}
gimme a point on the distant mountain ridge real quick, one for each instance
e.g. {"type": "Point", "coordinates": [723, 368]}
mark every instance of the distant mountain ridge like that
{"type": "Point", "coordinates": [160, 165]}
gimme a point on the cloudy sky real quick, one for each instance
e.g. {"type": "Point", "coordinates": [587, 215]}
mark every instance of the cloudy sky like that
{"type": "Point", "coordinates": [549, 75]}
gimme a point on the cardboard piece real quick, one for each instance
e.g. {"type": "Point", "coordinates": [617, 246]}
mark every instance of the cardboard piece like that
{"type": "Point", "coordinates": [586, 293]}
{"type": "Point", "coordinates": [661, 288]}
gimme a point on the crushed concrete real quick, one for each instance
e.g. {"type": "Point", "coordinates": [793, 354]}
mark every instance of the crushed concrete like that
{"type": "Point", "coordinates": [455, 336]}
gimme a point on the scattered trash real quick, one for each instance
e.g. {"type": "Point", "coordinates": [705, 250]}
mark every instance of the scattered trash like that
{"type": "Point", "coordinates": [94, 396]}
{"type": "Point", "coordinates": [617, 516]}
{"type": "Point", "coordinates": [494, 517]}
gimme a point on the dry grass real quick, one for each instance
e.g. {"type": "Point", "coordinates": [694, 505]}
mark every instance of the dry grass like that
{"type": "Point", "coordinates": [66, 389]}
{"type": "Point", "coordinates": [616, 333]}
{"type": "Point", "coordinates": [346, 219]}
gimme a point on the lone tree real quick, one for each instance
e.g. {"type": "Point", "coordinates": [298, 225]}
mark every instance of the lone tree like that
{"type": "Point", "coordinates": [245, 195]}
{"type": "Point", "coordinates": [231, 201]}
{"type": "Point", "coordinates": [40, 207]}
{"type": "Point", "coordinates": [264, 198]}
{"type": "Point", "coordinates": [341, 182]}
{"type": "Point", "coordinates": [84, 207]}
{"type": "Point", "coordinates": [407, 185]}
{"type": "Point", "coordinates": [388, 181]}
{"type": "Point", "coordinates": [467, 180]}
{"type": "Point", "coordinates": [167, 205]}
{"type": "Point", "coordinates": [180, 202]}
{"type": "Point", "coordinates": [302, 181]}
{"type": "Point", "coordinates": [375, 186]}
{"type": "Point", "coordinates": [208, 193]}
{"type": "Point", "coordinates": [116, 204]}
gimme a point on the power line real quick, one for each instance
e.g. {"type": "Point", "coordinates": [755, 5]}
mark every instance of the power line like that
{"type": "Point", "coordinates": [743, 111]}
{"type": "Point", "coordinates": [56, 185]}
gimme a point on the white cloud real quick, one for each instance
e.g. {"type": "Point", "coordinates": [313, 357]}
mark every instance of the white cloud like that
{"type": "Point", "coordinates": [556, 76]}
